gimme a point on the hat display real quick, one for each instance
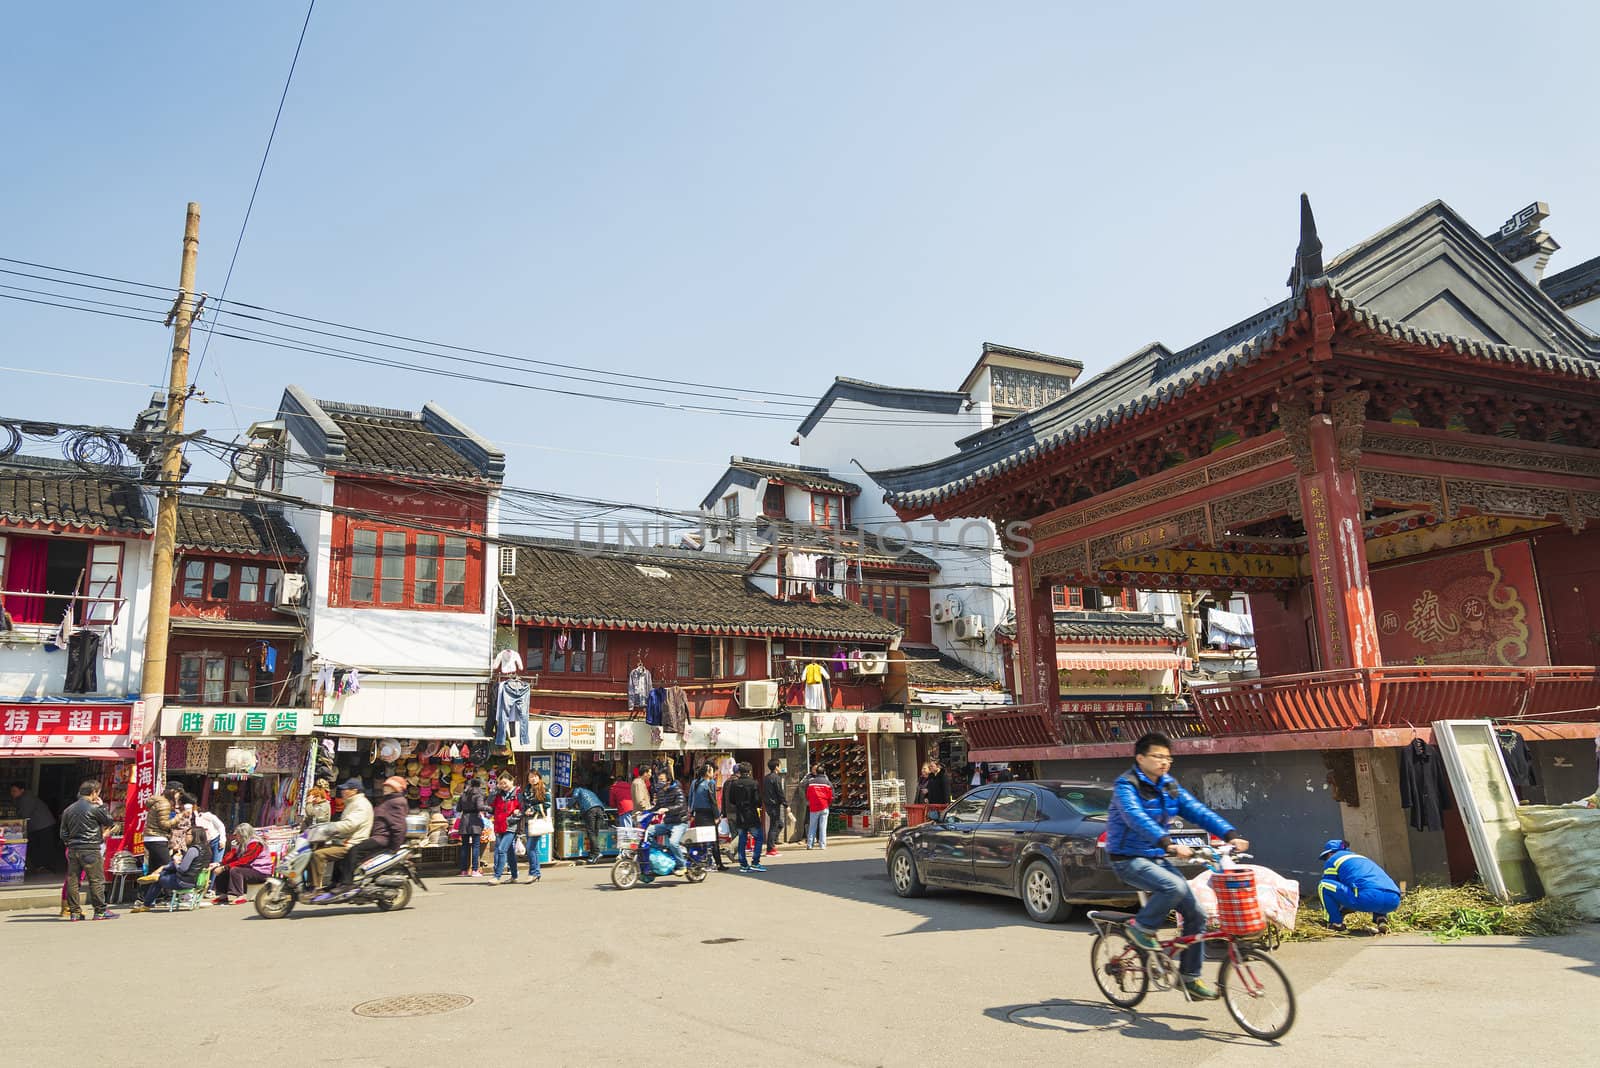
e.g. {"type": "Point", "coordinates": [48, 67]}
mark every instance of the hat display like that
{"type": "Point", "coordinates": [388, 750]}
{"type": "Point", "coordinates": [395, 783]}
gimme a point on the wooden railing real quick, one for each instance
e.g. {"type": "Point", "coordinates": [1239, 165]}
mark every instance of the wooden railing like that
{"type": "Point", "coordinates": [1011, 728]}
{"type": "Point", "coordinates": [1361, 698]}
{"type": "Point", "coordinates": [1088, 728]}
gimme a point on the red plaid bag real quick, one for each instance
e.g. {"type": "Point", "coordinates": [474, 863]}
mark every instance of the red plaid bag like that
{"type": "Point", "coordinates": [1238, 909]}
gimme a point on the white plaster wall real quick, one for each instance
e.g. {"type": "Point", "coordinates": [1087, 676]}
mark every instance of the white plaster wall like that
{"type": "Point", "coordinates": [1587, 315]}
{"type": "Point", "coordinates": [395, 703]}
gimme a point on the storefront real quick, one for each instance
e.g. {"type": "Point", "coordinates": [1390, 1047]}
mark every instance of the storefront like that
{"type": "Point", "coordinates": [245, 764]}
{"type": "Point", "coordinates": [871, 758]}
{"type": "Point", "coordinates": [52, 746]}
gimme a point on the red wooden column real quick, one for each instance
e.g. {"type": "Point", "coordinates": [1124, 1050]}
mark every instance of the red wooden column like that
{"type": "Point", "coordinates": [1347, 633]}
{"type": "Point", "coordinates": [1036, 638]}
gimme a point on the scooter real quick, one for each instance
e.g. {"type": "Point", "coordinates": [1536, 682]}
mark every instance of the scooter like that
{"type": "Point", "coordinates": [643, 858]}
{"type": "Point", "coordinates": [383, 880]}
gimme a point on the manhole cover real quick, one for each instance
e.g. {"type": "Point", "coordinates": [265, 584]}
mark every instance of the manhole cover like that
{"type": "Point", "coordinates": [718, 941]}
{"type": "Point", "coordinates": [412, 1005]}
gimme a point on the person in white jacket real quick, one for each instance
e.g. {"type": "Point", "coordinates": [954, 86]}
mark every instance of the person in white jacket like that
{"type": "Point", "coordinates": [353, 826]}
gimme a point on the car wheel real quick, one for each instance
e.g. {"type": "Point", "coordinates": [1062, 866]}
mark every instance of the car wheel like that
{"type": "Point", "coordinates": [903, 873]}
{"type": "Point", "coordinates": [1041, 894]}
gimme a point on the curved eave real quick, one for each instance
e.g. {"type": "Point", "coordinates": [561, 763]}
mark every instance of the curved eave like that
{"type": "Point", "coordinates": [734, 630]}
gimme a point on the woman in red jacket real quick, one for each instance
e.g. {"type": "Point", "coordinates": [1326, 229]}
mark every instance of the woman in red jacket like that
{"type": "Point", "coordinates": [507, 810]}
{"type": "Point", "coordinates": [246, 861]}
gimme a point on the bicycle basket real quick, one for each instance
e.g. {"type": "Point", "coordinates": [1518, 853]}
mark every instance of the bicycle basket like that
{"type": "Point", "coordinates": [1238, 909]}
{"type": "Point", "coordinates": [628, 838]}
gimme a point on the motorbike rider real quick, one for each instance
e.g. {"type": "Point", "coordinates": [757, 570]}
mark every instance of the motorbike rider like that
{"type": "Point", "coordinates": [388, 834]}
{"type": "Point", "coordinates": [1145, 800]}
{"type": "Point", "coordinates": [350, 830]}
{"type": "Point", "coordinates": [674, 812]}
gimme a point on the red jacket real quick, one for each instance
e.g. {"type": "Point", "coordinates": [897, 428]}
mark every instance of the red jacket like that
{"type": "Point", "coordinates": [507, 810]}
{"type": "Point", "coordinates": [622, 796]}
{"type": "Point", "coordinates": [819, 795]}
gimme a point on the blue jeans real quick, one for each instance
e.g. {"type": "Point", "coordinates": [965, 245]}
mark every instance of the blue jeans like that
{"type": "Point", "coordinates": [675, 843]}
{"type": "Point", "coordinates": [1168, 890]}
{"type": "Point", "coordinates": [505, 853]}
{"type": "Point", "coordinates": [533, 855]}
{"type": "Point", "coordinates": [817, 830]}
{"type": "Point", "coordinates": [743, 834]}
{"type": "Point", "coordinates": [1338, 899]}
{"type": "Point", "coordinates": [471, 849]}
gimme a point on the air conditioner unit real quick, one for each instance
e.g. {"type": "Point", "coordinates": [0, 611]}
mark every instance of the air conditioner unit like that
{"type": "Point", "coordinates": [870, 663]}
{"type": "Point", "coordinates": [758, 695]}
{"type": "Point", "coordinates": [291, 591]}
{"type": "Point", "coordinates": [941, 612]}
{"type": "Point", "coordinates": [969, 629]}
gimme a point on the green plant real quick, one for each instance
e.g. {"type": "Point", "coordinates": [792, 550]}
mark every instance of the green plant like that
{"type": "Point", "coordinates": [1451, 912]}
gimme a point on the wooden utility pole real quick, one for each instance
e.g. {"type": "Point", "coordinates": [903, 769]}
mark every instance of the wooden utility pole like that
{"type": "Point", "coordinates": [154, 686]}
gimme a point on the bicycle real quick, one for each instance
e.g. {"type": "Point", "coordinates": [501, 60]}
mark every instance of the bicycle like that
{"type": "Point", "coordinates": [1255, 989]}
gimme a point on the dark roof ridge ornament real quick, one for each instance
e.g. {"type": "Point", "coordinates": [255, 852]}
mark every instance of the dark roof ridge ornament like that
{"type": "Point", "coordinates": [1308, 257]}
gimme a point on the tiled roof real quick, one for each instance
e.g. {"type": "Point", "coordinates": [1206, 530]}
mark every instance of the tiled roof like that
{"type": "Point", "coordinates": [868, 547]}
{"type": "Point", "coordinates": [42, 490]}
{"type": "Point", "coordinates": [1354, 283]}
{"type": "Point", "coordinates": [806, 477]}
{"type": "Point", "coordinates": [1575, 285]}
{"type": "Point", "coordinates": [227, 525]}
{"type": "Point", "coordinates": [357, 436]}
{"type": "Point", "coordinates": [677, 591]}
{"type": "Point", "coordinates": [1141, 628]}
{"type": "Point", "coordinates": [930, 669]}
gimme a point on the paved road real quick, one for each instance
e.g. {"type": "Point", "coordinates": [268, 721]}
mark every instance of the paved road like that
{"type": "Point", "coordinates": [815, 963]}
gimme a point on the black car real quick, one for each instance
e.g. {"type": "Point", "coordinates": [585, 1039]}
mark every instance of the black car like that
{"type": "Point", "coordinates": [1040, 841]}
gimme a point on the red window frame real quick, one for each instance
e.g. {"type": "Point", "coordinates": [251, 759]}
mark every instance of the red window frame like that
{"type": "Point", "coordinates": [419, 563]}
{"type": "Point", "coordinates": [539, 652]}
{"type": "Point", "coordinates": [832, 513]}
{"type": "Point", "coordinates": [266, 585]}
{"type": "Point", "coordinates": [452, 517]}
{"type": "Point", "coordinates": [1066, 598]}
{"type": "Point", "coordinates": [232, 665]}
{"type": "Point", "coordinates": [772, 501]}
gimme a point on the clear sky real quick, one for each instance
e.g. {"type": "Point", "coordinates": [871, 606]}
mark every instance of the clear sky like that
{"type": "Point", "coordinates": [760, 195]}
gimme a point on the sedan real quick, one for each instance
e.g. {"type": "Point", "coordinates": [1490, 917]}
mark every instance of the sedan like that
{"type": "Point", "coordinates": [1041, 841]}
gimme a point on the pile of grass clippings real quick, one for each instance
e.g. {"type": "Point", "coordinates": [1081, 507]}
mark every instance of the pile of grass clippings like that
{"type": "Point", "coordinates": [1451, 912]}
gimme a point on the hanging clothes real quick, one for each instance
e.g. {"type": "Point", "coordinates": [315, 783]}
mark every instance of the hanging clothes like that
{"type": "Point", "coordinates": [841, 660]}
{"type": "Point", "coordinates": [1424, 785]}
{"type": "Point", "coordinates": [511, 710]}
{"type": "Point", "coordinates": [818, 695]}
{"type": "Point", "coordinates": [1519, 761]}
{"type": "Point", "coordinates": [655, 706]}
{"type": "Point", "coordinates": [639, 686]}
{"type": "Point", "coordinates": [83, 659]}
{"type": "Point", "coordinates": [824, 583]}
{"type": "Point", "coordinates": [506, 662]}
{"type": "Point", "coordinates": [675, 712]}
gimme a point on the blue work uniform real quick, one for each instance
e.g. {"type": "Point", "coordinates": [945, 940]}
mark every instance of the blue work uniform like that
{"type": "Point", "coordinates": [1352, 883]}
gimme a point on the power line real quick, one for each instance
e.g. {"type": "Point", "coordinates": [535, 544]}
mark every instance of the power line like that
{"type": "Point", "coordinates": [261, 170]}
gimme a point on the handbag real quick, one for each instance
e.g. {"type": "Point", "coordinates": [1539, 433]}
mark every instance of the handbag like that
{"type": "Point", "coordinates": [541, 825]}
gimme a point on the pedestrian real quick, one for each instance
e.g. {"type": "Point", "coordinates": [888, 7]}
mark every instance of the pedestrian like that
{"type": "Point", "coordinates": [245, 863]}
{"type": "Point", "coordinates": [43, 838]}
{"type": "Point", "coordinates": [535, 806]}
{"type": "Point", "coordinates": [83, 832]}
{"type": "Point", "coordinates": [319, 804]}
{"type": "Point", "coordinates": [703, 808]}
{"type": "Point", "coordinates": [158, 828]}
{"type": "Point", "coordinates": [775, 800]}
{"type": "Point", "coordinates": [182, 872]}
{"type": "Point", "coordinates": [1352, 883]}
{"type": "Point", "coordinates": [938, 791]}
{"type": "Point", "coordinates": [641, 789]}
{"type": "Point", "coordinates": [622, 800]}
{"type": "Point", "coordinates": [211, 835]}
{"type": "Point", "coordinates": [469, 813]}
{"type": "Point", "coordinates": [506, 809]}
{"type": "Point", "coordinates": [819, 799]}
{"type": "Point", "coordinates": [744, 815]}
{"type": "Point", "coordinates": [182, 833]}
{"type": "Point", "coordinates": [593, 811]}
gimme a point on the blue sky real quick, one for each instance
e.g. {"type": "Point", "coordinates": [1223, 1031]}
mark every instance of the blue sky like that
{"type": "Point", "coordinates": [759, 195]}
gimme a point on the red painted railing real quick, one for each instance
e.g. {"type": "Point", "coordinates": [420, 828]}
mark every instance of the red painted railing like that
{"type": "Point", "coordinates": [1011, 728]}
{"type": "Point", "coordinates": [1088, 728]}
{"type": "Point", "coordinates": [1361, 698]}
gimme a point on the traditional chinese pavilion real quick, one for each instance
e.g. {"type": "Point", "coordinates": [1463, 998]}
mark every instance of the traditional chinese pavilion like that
{"type": "Point", "coordinates": [1399, 463]}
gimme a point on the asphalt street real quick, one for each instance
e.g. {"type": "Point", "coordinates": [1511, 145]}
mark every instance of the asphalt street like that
{"type": "Point", "coordinates": [814, 963]}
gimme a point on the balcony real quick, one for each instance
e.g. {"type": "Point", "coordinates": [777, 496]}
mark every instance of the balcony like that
{"type": "Point", "coordinates": [1017, 728]}
{"type": "Point", "coordinates": [1368, 698]}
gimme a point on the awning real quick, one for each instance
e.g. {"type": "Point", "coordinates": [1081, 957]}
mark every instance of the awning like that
{"type": "Point", "coordinates": [72, 751]}
{"type": "Point", "coordinates": [409, 734]}
{"type": "Point", "coordinates": [243, 628]}
{"type": "Point", "coordinates": [1129, 660]}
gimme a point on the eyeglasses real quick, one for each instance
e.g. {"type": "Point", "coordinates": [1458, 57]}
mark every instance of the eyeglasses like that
{"type": "Point", "coordinates": [1159, 759]}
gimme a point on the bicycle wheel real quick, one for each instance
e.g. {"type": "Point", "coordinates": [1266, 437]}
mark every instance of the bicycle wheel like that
{"type": "Point", "coordinates": [1257, 993]}
{"type": "Point", "coordinates": [1119, 969]}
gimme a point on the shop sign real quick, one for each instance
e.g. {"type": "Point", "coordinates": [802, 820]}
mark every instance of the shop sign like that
{"type": "Point", "coordinates": [236, 722]}
{"type": "Point", "coordinates": [728, 734]}
{"type": "Point", "coordinates": [1108, 705]}
{"type": "Point", "coordinates": [563, 774]}
{"type": "Point", "coordinates": [140, 789]}
{"type": "Point", "coordinates": [89, 726]}
{"type": "Point", "coordinates": [328, 719]}
{"type": "Point", "coordinates": [555, 735]}
{"type": "Point", "coordinates": [583, 734]}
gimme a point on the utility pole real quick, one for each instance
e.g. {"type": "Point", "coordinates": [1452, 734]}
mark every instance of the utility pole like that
{"type": "Point", "coordinates": [154, 686]}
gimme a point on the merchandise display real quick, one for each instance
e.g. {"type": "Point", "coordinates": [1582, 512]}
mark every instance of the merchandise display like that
{"type": "Point", "coordinates": [845, 760]}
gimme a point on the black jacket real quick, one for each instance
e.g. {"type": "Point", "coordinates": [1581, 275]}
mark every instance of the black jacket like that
{"type": "Point", "coordinates": [744, 802]}
{"type": "Point", "coordinates": [1424, 785]}
{"type": "Point", "coordinates": [938, 790]}
{"type": "Point", "coordinates": [389, 821]}
{"type": "Point", "coordinates": [772, 792]}
{"type": "Point", "coordinates": [669, 799]}
{"type": "Point", "coordinates": [83, 824]}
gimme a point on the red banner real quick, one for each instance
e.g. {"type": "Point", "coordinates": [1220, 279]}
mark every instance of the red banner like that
{"type": "Point", "coordinates": [90, 726]}
{"type": "Point", "coordinates": [1475, 607]}
{"type": "Point", "coordinates": [140, 789]}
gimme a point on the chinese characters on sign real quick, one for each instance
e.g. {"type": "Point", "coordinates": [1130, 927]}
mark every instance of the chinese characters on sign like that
{"type": "Point", "coordinates": [231, 723]}
{"type": "Point", "coordinates": [1070, 706]}
{"type": "Point", "coordinates": [1322, 565]}
{"type": "Point", "coordinates": [140, 790]}
{"type": "Point", "coordinates": [89, 726]}
{"type": "Point", "coordinates": [1480, 606]}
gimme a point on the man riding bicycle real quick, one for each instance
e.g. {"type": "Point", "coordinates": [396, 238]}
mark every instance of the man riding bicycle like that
{"type": "Point", "coordinates": [1145, 801]}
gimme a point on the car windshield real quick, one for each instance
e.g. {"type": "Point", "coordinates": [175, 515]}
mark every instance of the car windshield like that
{"type": "Point", "coordinates": [1087, 801]}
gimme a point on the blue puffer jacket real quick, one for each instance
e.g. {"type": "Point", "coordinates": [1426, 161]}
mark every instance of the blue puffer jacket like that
{"type": "Point", "coordinates": [1141, 811]}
